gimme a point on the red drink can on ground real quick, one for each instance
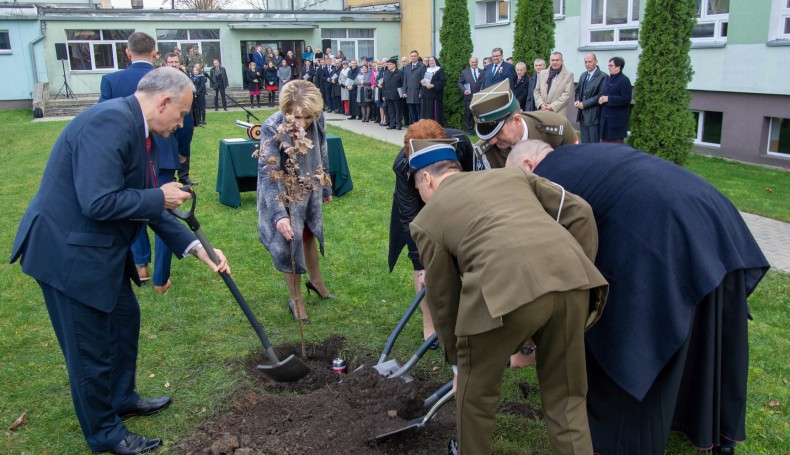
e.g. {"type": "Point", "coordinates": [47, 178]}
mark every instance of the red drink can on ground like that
{"type": "Point", "coordinates": [339, 366]}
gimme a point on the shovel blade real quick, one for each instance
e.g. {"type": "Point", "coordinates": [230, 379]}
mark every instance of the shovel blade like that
{"type": "Point", "coordinates": [288, 370]}
{"type": "Point", "coordinates": [414, 423]}
{"type": "Point", "coordinates": [387, 368]}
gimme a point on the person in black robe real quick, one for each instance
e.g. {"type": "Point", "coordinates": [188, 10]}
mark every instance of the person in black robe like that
{"type": "Point", "coordinates": [670, 352]}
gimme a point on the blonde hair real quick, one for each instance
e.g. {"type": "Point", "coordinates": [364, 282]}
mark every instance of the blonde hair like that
{"type": "Point", "coordinates": [302, 94]}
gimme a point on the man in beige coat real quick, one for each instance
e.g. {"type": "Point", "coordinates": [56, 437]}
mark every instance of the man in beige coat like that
{"type": "Point", "coordinates": [508, 257]}
{"type": "Point", "coordinates": [554, 89]}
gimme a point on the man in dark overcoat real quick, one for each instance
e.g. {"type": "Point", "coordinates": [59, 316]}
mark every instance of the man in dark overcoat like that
{"type": "Point", "coordinates": [413, 72]}
{"type": "Point", "coordinates": [680, 261]}
{"type": "Point", "coordinates": [391, 83]}
{"type": "Point", "coordinates": [470, 82]}
{"type": "Point", "coordinates": [588, 90]}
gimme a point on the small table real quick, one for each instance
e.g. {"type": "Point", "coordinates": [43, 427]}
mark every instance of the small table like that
{"type": "Point", "coordinates": [238, 169]}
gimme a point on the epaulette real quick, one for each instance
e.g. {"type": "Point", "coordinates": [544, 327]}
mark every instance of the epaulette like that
{"type": "Point", "coordinates": [556, 130]}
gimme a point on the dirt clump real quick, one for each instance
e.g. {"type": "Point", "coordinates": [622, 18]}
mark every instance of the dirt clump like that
{"type": "Point", "coordinates": [324, 413]}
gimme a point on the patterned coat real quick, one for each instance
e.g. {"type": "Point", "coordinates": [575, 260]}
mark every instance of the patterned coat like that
{"type": "Point", "coordinates": [306, 212]}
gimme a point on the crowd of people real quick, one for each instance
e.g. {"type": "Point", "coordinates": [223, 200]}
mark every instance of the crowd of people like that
{"type": "Point", "coordinates": [398, 92]}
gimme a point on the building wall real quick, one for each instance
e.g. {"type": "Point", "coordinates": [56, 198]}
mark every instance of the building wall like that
{"type": "Point", "coordinates": [88, 82]}
{"type": "Point", "coordinates": [743, 76]}
{"type": "Point", "coordinates": [18, 71]}
{"type": "Point", "coordinates": [416, 24]}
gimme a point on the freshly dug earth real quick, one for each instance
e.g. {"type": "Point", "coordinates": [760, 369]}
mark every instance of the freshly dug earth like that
{"type": "Point", "coordinates": [325, 413]}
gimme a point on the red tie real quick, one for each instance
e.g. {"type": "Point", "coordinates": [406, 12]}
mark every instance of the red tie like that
{"type": "Point", "coordinates": [150, 177]}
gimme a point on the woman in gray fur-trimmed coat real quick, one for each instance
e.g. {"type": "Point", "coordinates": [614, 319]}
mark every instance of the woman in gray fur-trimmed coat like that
{"type": "Point", "coordinates": [278, 223]}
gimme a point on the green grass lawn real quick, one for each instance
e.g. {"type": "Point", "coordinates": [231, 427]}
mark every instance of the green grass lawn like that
{"type": "Point", "coordinates": [193, 337]}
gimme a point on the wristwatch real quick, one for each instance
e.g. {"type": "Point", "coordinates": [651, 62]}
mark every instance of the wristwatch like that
{"type": "Point", "coordinates": [196, 249]}
{"type": "Point", "coordinates": [527, 350]}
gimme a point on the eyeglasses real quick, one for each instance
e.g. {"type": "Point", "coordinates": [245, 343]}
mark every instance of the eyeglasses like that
{"type": "Point", "coordinates": [611, 65]}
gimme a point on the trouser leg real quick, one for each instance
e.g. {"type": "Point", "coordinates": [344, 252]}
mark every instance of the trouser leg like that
{"type": "Point", "coordinates": [561, 370]}
{"type": "Point", "coordinates": [141, 248]}
{"type": "Point", "coordinates": [100, 350]}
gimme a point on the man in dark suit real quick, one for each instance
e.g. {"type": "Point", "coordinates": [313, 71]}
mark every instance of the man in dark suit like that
{"type": "Point", "coordinates": [520, 89]}
{"type": "Point", "coordinates": [537, 66]}
{"type": "Point", "coordinates": [469, 83]}
{"type": "Point", "coordinates": [499, 70]}
{"type": "Point", "coordinates": [326, 74]}
{"type": "Point", "coordinates": [219, 82]}
{"type": "Point", "coordinates": [258, 58]}
{"type": "Point", "coordinates": [141, 49]}
{"type": "Point", "coordinates": [391, 83]}
{"type": "Point", "coordinates": [183, 135]}
{"type": "Point", "coordinates": [507, 256]}
{"type": "Point", "coordinates": [681, 262]}
{"type": "Point", "coordinates": [97, 189]}
{"type": "Point", "coordinates": [412, 74]}
{"type": "Point", "coordinates": [588, 90]}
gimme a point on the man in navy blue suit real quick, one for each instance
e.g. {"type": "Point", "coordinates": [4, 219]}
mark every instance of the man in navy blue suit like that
{"type": "Point", "coordinates": [499, 70]}
{"type": "Point", "coordinates": [98, 191]}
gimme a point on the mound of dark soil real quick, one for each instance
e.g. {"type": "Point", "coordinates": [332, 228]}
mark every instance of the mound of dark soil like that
{"type": "Point", "coordinates": [325, 413]}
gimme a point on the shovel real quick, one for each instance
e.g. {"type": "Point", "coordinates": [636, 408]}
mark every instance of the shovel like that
{"type": "Point", "coordinates": [288, 370]}
{"type": "Point", "coordinates": [390, 367]}
{"type": "Point", "coordinates": [420, 422]}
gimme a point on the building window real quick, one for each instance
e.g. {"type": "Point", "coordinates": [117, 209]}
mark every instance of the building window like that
{"type": "Point", "coordinates": [206, 41]}
{"type": "Point", "coordinates": [779, 137]}
{"type": "Point", "coordinates": [559, 8]}
{"type": "Point", "coordinates": [493, 13]}
{"type": "Point", "coordinates": [614, 21]}
{"type": "Point", "coordinates": [354, 42]}
{"type": "Point", "coordinates": [97, 49]}
{"type": "Point", "coordinates": [784, 25]}
{"type": "Point", "coordinates": [712, 18]}
{"type": "Point", "coordinates": [708, 127]}
{"type": "Point", "coordinates": [5, 41]}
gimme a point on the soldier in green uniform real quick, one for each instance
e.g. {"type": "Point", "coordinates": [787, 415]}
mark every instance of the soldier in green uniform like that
{"type": "Point", "coordinates": [500, 125]}
{"type": "Point", "coordinates": [508, 257]}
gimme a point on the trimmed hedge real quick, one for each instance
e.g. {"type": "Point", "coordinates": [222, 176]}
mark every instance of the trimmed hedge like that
{"type": "Point", "coordinates": [534, 34]}
{"type": "Point", "coordinates": [455, 37]}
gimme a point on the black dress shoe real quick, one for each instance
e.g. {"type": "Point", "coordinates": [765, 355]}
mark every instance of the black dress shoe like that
{"type": "Point", "coordinates": [188, 182]}
{"type": "Point", "coordinates": [390, 127]}
{"type": "Point", "coordinates": [399, 128]}
{"type": "Point", "coordinates": [146, 407]}
{"type": "Point", "coordinates": [134, 443]}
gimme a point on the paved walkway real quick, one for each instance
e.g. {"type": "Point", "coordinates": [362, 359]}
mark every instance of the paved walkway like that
{"type": "Point", "coordinates": [772, 236]}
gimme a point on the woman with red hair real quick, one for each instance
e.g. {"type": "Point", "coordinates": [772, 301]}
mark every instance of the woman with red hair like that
{"type": "Point", "coordinates": [406, 202]}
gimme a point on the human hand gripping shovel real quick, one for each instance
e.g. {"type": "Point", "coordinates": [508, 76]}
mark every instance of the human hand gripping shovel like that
{"type": "Point", "coordinates": [288, 370]}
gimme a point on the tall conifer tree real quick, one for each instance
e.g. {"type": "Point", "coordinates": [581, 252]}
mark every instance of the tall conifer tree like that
{"type": "Point", "coordinates": [455, 37]}
{"type": "Point", "coordinates": [534, 34]}
{"type": "Point", "coordinates": [661, 122]}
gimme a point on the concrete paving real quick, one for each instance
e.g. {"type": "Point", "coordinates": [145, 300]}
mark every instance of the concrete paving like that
{"type": "Point", "coordinates": [773, 236]}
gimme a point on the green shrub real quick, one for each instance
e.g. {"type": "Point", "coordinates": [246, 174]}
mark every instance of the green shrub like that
{"type": "Point", "coordinates": [534, 35]}
{"type": "Point", "coordinates": [661, 123]}
{"type": "Point", "coordinates": [455, 37]}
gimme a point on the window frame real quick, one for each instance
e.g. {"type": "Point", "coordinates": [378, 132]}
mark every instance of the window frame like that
{"type": "Point", "coordinates": [561, 13]}
{"type": "Point", "coordinates": [616, 29]}
{"type": "Point", "coordinates": [700, 129]}
{"type": "Point", "coordinates": [720, 23]}
{"type": "Point", "coordinates": [768, 151]}
{"type": "Point", "coordinates": [481, 13]}
{"type": "Point", "coordinates": [780, 19]}
{"type": "Point", "coordinates": [9, 49]}
{"type": "Point", "coordinates": [183, 41]}
{"type": "Point", "coordinates": [91, 45]}
{"type": "Point", "coordinates": [335, 39]}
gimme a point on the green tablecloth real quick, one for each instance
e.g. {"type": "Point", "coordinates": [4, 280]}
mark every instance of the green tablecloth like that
{"type": "Point", "coordinates": [238, 169]}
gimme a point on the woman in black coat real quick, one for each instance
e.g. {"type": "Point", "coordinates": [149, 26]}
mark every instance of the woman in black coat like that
{"type": "Point", "coordinates": [432, 91]}
{"type": "Point", "coordinates": [615, 103]}
{"type": "Point", "coordinates": [271, 81]}
{"type": "Point", "coordinates": [406, 201]}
